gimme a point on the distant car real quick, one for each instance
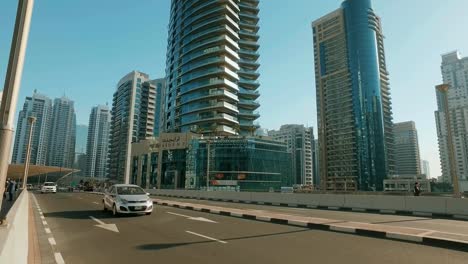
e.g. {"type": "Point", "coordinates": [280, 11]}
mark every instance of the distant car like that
{"type": "Point", "coordinates": [49, 187]}
{"type": "Point", "coordinates": [127, 199]}
{"type": "Point", "coordinates": [29, 186]}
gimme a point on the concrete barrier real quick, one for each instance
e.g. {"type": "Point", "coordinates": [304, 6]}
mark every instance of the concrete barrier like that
{"type": "Point", "coordinates": [14, 235]}
{"type": "Point", "coordinates": [457, 206]}
{"type": "Point", "coordinates": [436, 205]}
{"type": "Point", "coordinates": [439, 206]}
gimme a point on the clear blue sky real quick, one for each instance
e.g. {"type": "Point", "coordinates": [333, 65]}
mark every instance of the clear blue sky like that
{"type": "Point", "coordinates": [82, 48]}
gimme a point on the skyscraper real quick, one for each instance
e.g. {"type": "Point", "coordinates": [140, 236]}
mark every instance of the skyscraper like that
{"type": "Point", "coordinates": [211, 67]}
{"type": "Point", "coordinates": [299, 141]}
{"type": "Point", "coordinates": [81, 138]}
{"type": "Point", "coordinates": [1, 95]}
{"type": "Point", "coordinates": [455, 74]}
{"type": "Point", "coordinates": [353, 98]}
{"type": "Point", "coordinates": [425, 168]}
{"type": "Point", "coordinates": [39, 106]}
{"type": "Point", "coordinates": [62, 134]}
{"type": "Point", "coordinates": [407, 159]}
{"type": "Point", "coordinates": [133, 119]}
{"type": "Point", "coordinates": [98, 141]}
{"type": "Point", "coordinates": [160, 85]}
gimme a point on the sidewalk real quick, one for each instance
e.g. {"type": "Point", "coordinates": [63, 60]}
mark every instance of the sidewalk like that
{"type": "Point", "coordinates": [424, 236]}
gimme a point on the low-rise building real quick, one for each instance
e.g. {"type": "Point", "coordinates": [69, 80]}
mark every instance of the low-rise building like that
{"type": "Point", "coordinates": [406, 183]}
{"type": "Point", "coordinates": [183, 161]}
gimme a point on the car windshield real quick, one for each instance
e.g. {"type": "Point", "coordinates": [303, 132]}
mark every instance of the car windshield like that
{"type": "Point", "coordinates": [49, 184]}
{"type": "Point", "coordinates": [130, 190]}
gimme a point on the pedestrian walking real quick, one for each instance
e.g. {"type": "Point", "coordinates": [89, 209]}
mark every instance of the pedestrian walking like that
{"type": "Point", "coordinates": [417, 189]}
{"type": "Point", "coordinates": [6, 188]}
{"type": "Point", "coordinates": [11, 189]}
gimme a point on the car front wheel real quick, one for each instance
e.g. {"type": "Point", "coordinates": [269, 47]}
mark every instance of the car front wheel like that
{"type": "Point", "coordinates": [114, 211]}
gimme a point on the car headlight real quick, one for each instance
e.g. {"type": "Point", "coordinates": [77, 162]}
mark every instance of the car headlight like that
{"type": "Point", "coordinates": [123, 201]}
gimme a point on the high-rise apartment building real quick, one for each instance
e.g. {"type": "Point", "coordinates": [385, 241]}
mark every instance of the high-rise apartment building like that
{"type": "Point", "coordinates": [455, 74]}
{"type": "Point", "coordinates": [98, 141]}
{"type": "Point", "coordinates": [133, 119]}
{"type": "Point", "coordinates": [353, 98]}
{"type": "Point", "coordinates": [81, 138]}
{"type": "Point", "coordinates": [211, 67]}
{"type": "Point", "coordinates": [425, 168]}
{"type": "Point", "coordinates": [160, 85]}
{"type": "Point", "coordinates": [63, 134]}
{"type": "Point", "coordinates": [39, 106]}
{"type": "Point", "coordinates": [407, 158]}
{"type": "Point", "coordinates": [299, 141]}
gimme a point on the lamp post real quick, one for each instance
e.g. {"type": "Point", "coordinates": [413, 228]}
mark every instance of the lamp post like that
{"type": "Point", "coordinates": [443, 89]}
{"type": "Point", "coordinates": [12, 85]}
{"type": "Point", "coordinates": [208, 142]}
{"type": "Point", "coordinates": [31, 121]}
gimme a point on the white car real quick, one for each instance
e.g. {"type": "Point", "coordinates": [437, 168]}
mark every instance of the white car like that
{"type": "Point", "coordinates": [49, 187]}
{"type": "Point", "coordinates": [127, 199]}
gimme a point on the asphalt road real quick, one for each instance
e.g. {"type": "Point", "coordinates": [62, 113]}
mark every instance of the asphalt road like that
{"type": "Point", "coordinates": [442, 225]}
{"type": "Point", "coordinates": [170, 236]}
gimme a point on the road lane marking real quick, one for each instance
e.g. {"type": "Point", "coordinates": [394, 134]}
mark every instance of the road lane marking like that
{"type": "Point", "coordinates": [96, 203]}
{"type": "Point", "coordinates": [207, 237]}
{"type": "Point", "coordinates": [52, 241]}
{"type": "Point", "coordinates": [44, 222]}
{"type": "Point", "coordinates": [109, 227]}
{"type": "Point", "coordinates": [201, 219]}
{"type": "Point", "coordinates": [47, 230]}
{"type": "Point", "coordinates": [178, 214]}
{"type": "Point", "coordinates": [42, 217]}
{"type": "Point", "coordinates": [97, 220]}
{"type": "Point", "coordinates": [59, 258]}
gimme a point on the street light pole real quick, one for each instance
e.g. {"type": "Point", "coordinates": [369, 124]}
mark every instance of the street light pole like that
{"type": "Point", "coordinates": [207, 164]}
{"type": "Point", "coordinates": [31, 121]}
{"type": "Point", "coordinates": [443, 89]}
{"type": "Point", "coordinates": [12, 85]}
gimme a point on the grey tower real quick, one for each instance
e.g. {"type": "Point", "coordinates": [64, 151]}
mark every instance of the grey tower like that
{"type": "Point", "coordinates": [62, 134]}
{"type": "Point", "coordinates": [98, 141]}
{"type": "Point", "coordinates": [39, 106]}
{"type": "Point", "coordinates": [133, 119]}
{"type": "Point", "coordinates": [407, 158]}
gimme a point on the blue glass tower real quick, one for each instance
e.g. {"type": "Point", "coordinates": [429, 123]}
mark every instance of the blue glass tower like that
{"type": "Point", "coordinates": [353, 98]}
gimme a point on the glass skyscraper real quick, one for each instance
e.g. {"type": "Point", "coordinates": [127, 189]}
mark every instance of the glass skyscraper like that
{"type": "Point", "coordinates": [211, 67]}
{"type": "Point", "coordinates": [62, 134]}
{"type": "Point", "coordinates": [353, 98]}
{"type": "Point", "coordinates": [133, 119]}
{"type": "Point", "coordinates": [98, 141]}
{"type": "Point", "coordinates": [39, 106]}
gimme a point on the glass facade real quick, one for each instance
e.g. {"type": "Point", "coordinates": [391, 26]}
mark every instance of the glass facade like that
{"type": "Point", "coordinates": [211, 66]}
{"type": "Point", "coordinates": [353, 98]}
{"type": "Point", "coordinates": [133, 114]}
{"type": "Point", "coordinates": [245, 164]}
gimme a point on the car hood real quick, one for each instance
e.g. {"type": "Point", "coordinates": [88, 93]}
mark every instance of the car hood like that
{"type": "Point", "coordinates": [139, 197]}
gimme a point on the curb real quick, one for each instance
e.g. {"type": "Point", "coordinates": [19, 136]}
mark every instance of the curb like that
{"type": "Point", "coordinates": [332, 208]}
{"type": "Point", "coordinates": [402, 237]}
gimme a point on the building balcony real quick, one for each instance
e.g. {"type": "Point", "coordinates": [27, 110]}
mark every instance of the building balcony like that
{"type": "Point", "coordinates": [249, 104]}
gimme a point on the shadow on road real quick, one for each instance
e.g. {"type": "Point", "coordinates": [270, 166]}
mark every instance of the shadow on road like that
{"type": "Point", "coordinates": [173, 245]}
{"type": "Point", "coordinates": [84, 214]}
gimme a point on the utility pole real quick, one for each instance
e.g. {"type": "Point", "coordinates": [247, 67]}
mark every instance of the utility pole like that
{"type": "Point", "coordinates": [31, 120]}
{"type": "Point", "coordinates": [443, 89]}
{"type": "Point", "coordinates": [12, 85]}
